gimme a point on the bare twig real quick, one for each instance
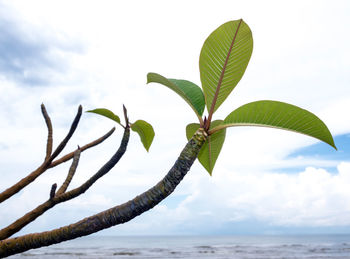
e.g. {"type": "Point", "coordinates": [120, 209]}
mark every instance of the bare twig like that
{"type": "Point", "coordinates": [49, 134]}
{"type": "Point", "coordinates": [83, 148]}
{"type": "Point", "coordinates": [69, 135]}
{"type": "Point", "coordinates": [53, 191]}
{"type": "Point", "coordinates": [71, 172]}
{"type": "Point", "coordinates": [126, 116]}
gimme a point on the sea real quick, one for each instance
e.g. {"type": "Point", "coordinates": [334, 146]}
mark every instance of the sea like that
{"type": "Point", "coordinates": [196, 247]}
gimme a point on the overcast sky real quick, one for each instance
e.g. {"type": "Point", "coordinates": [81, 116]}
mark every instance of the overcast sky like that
{"type": "Point", "coordinates": [97, 53]}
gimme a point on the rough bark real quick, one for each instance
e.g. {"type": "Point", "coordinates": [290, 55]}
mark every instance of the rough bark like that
{"type": "Point", "coordinates": [116, 215]}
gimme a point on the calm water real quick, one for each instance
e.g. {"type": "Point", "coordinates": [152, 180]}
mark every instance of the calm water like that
{"type": "Point", "coordinates": [267, 247]}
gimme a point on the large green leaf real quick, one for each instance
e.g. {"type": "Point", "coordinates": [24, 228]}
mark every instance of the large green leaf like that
{"type": "Point", "coordinates": [189, 91]}
{"type": "Point", "coordinates": [279, 115]}
{"type": "Point", "coordinates": [145, 131]}
{"type": "Point", "coordinates": [107, 113]}
{"type": "Point", "coordinates": [223, 60]}
{"type": "Point", "coordinates": [210, 151]}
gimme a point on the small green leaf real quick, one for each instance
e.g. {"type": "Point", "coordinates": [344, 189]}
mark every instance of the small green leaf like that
{"type": "Point", "coordinates": [223, 60]}
{"type": "Point", "coordinates": [189, 91]}
{"type": "Point", "coordinates": [145, 131]}
{"type": "Point", "coordinates": [279, 115]}
{"type": "Point", "coordinates": [107, 113]}
{"type": "Point", "coordinates": [210, 151]}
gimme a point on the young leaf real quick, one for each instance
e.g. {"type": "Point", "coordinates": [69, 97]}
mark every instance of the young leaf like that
{"type": "Point", "coordinates": [145, 131]}
{"type": "Point", "coordinates": [224, 58]}
{"type": "Point", "coordinates": [279, 115]}
{"type": "Point", "coordinates": [210, 151]}
{"type": "Point", "coordinates": [107, 113]}
{"type": "Point", "coordinates": [189, 91]}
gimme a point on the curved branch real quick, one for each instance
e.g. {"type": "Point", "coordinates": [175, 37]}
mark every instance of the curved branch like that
{"type": "Point", "coordinates": [71, 172]}
{"type": "Point", "coordinates": [62, 196]}
{"type": "Point", "coordinates": [116, 215]}
{"type": "Point", "coordinates": [103, 170]}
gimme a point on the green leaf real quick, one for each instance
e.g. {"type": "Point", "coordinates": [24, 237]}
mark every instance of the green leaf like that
{"type": "Point", "coordinates": [145, 131]}
{"type": "Point", "coordinates": [107, 113]}
{"type": "Point", "coordinates": [189, 91]}
{"type": "Point", "coordinates": [210, 151]}
{"type": "Point", "coordinates": [279, 115]}
{"type": "Point", "coordinates": [223, 60]}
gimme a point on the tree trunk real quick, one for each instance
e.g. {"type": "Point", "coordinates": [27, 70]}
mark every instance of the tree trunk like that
{"type": "Point", "coordinates": [116, 215]}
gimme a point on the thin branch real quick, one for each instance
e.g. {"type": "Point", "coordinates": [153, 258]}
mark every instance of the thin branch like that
{"type": "Point", "coordinates": [41, 169]}
{"type": "Point", "coordinates": [126, 116]}
{"type": "Point", "coordinates": [71, 172]}
{"type": "Point", "coordinates": [103, 170]}
{"type": "Point", "coordinates": [116, 215]}
{"type": "Point", "coordinates": [83, 148]}
{"type": "Point", "coordinates": [69, 135]}
{"type": "Point", "coordinates": [49, 134]}
{"type": "Point", "coordinates": [60, 196]}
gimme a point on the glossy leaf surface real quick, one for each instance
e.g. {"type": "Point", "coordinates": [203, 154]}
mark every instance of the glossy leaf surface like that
{"type": "Point", "coordinates": [145, 131]}
{"type": "Point", "coordinates": [209, 153]}
{"type": "Point", "coordinates": [189, 91]}
{"type": "Point", "coordinates": [106, 113]}
{"type": "Point", "coordinates": [223, 60]}
{"type": "Point", "coordinates": [282, 116]}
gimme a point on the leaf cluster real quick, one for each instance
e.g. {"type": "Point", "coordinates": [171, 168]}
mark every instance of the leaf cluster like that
{"type": "Point", "coordinates": [223, 60]}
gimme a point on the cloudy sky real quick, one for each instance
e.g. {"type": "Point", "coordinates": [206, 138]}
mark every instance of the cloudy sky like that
{"type": "Point", "coordinates": [97, 53]}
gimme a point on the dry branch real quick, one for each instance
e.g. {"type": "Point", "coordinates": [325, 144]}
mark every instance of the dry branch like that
{"type": "Point", "coordinates": [41, 169]}
{"type": "Point", "coordinates": [61, 195]}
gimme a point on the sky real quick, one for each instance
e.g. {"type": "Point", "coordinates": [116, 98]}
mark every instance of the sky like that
{"type": "Point", "coordinates": [98, 53]}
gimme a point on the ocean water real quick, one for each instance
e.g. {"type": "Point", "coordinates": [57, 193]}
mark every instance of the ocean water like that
{"type": "Point", "coordinates": [216, 247]}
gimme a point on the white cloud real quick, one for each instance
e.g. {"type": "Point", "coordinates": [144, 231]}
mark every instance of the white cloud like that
{"type": "Point", "coordinates": [292, 61]}
{"type": "Point", "coordinates": [312, 198]}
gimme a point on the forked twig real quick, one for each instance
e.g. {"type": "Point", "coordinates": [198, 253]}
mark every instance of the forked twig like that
{"type": "Point", "coordinates": [41, 169]}
{"type": "Point", "coordinates": [61, 195]}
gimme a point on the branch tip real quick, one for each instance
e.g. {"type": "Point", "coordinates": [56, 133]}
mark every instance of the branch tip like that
{"type": "Point", "coordinates": [53, 191]}
{"type": "Point", "coordinates": [69, 135]}
{"type": "Point", "coordinates": [49, 133]}
{"type": "Point", "coordinates": [126, 117]}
